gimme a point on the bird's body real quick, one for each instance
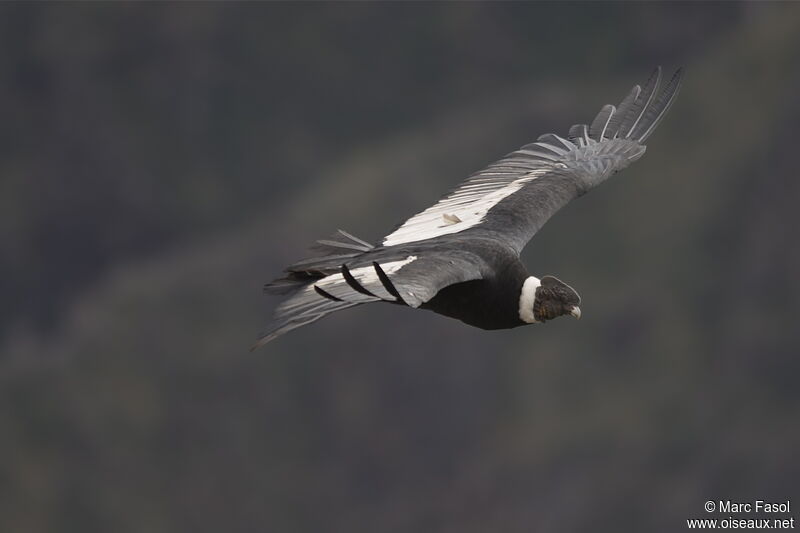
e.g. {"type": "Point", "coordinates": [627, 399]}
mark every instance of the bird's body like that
{"type": "Point", "coordinates": [460, 257]}
{"type": "Point", "coordinates": [488, 303]}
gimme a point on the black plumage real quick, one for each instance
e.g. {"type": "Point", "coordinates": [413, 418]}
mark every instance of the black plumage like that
{"type": "Point", "coordinates": [460, 257]}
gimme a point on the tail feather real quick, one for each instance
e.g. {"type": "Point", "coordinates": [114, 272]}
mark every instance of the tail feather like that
{"type": "Point", "coordinates": [287, 320]}
{"type": "Point", "coordinates": [308, 303]}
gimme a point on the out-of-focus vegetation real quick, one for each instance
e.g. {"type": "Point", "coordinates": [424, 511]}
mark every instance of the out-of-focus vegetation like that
{"type": "Point", "coordinates": [161, 161]}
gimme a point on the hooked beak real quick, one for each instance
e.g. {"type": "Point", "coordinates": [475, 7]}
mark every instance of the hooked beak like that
{"type": "Point", "coordinates": [576, 312]}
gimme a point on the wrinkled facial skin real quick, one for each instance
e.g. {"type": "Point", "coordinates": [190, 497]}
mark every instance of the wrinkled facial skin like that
{"type": "Point", "coordinates": [554, 298]}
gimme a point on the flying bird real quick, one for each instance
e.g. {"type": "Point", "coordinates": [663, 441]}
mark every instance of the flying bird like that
{"type": "Point", "coordinates": [461, 256]}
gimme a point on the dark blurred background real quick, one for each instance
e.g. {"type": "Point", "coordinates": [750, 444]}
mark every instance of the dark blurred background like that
{"type": "Point", "coordinates": [160, 161]}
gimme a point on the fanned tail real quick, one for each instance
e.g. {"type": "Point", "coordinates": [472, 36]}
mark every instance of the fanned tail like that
{"type": "Point", "coordinates": [308, 303]}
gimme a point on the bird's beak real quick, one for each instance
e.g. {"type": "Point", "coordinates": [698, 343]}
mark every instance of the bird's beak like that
{"type": "Point", "coordinates": [576, 312]}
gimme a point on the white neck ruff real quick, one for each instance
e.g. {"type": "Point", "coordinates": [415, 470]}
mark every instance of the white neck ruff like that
{"type": "Point", "coordinates": [526, 298]}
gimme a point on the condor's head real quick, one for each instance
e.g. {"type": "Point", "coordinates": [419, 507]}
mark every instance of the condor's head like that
{"type": "Point", "coordinates": [547, 298]}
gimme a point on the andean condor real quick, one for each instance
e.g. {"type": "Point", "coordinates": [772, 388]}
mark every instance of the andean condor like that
{"type": "Point", "coordinates": [461, 256]}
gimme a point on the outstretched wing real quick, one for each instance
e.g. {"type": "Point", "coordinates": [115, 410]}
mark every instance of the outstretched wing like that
{"type": "Point", "coordinates": [380, 276]}
{"type": "Point", "coordinates": [511, 199]}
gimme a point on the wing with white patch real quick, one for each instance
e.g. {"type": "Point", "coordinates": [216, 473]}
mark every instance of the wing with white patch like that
{"type": "Point", "coordinates": [373, 277]}
{"type": "Point", "coordinates": [419, 281]}
{"type": "Point", "coordinates": [513, 197]}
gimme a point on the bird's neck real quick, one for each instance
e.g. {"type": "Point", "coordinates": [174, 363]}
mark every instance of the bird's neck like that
{"type": "Point", "coordinates": [526, 298]}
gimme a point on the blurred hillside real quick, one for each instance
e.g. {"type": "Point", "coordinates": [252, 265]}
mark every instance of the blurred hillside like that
{"type": "Point", "coordinates": [161, 161]}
